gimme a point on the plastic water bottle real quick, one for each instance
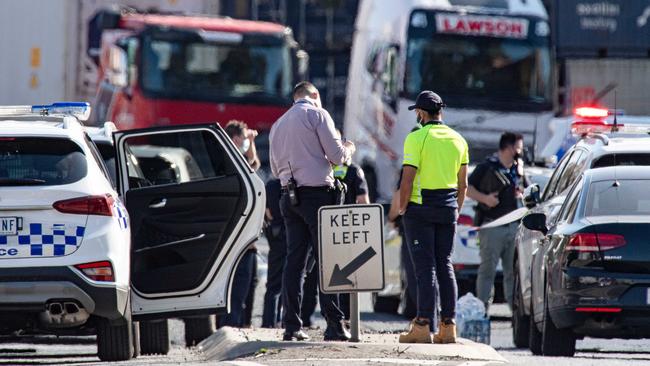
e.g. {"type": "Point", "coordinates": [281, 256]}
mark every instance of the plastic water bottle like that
{"type": "Point", "coordinates": [471, 320]}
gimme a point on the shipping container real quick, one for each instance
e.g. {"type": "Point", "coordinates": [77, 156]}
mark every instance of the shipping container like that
{"type": "Point", "coordinates": [44, 59]}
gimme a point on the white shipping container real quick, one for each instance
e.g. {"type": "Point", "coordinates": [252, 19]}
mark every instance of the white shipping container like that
{"type": "Point", "coordinates": [43, 56]}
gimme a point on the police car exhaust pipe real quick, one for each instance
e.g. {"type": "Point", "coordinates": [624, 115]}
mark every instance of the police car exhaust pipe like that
{"type": "Point", "coordinates": [55, 308]}
{"type": "Point", "coordinates": [71, 307]}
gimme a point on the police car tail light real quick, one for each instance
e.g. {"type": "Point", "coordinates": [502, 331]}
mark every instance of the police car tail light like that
{"type": "Point", "coordinates": [97, 271]}
{"type": "Point", "coordinates": [594, 242]}
{"type": "Point", "coordinates": [89, 205]}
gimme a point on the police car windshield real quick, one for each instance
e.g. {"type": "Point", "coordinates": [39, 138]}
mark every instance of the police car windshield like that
{"type": "Point", "coordinates": [481, 72]}
{"type": "Point", "coordinates": [214, 72]}
{"type": "Point", "coordinates": [40, 161]}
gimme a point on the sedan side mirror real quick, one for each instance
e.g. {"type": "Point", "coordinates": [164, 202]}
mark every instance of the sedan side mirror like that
{"type": "Point", "coordinates": [536, 222]}
{"type": "Point", "coordinates": [532, 196]}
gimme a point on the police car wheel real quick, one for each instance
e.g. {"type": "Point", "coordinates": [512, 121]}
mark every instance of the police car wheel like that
{"type": "Point", "coordinates": [154, 337]}
{"type": "Point", "coordinates": [135, 326]}
{"type": "Point", "coordinates": [385, 304]}
{"type": "Point", "coordinates": [198, 329]}
{"type": "Point", "coordinates": [114, 341]}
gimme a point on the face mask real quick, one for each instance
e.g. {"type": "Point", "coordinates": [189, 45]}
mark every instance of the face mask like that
{"type": "Point", "coordinates": [418, 118]}
{"type": "Point", "coordinates": [243, 148]}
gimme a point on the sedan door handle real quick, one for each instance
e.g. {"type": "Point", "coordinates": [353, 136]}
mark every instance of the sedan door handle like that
{"type": "Point", "coordinates": [159, 204]}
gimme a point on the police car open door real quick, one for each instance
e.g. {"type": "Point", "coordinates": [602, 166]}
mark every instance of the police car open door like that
{"type": "Point", "coordinates": [195, 206]}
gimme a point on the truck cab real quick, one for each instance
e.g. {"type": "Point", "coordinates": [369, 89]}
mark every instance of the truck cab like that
{"type": "Point", "coordinates": [159, 70]}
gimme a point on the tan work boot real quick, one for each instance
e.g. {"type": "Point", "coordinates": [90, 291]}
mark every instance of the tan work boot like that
{"type": "Point", "coordinates": [446, 332]}
{"type": "Point", "coordinates": [419, 333]}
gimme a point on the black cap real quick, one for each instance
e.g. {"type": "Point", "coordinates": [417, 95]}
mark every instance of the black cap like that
{"type": "Point", "coordinates": [428, 100]}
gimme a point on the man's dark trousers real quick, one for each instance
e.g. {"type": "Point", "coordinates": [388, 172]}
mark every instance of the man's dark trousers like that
{"type": "Point", "coordinates": [302, 230]}
{"type": "Point", "coordinates": [277, 253]}
{"type": "Point", "coordinates": [430, 237]}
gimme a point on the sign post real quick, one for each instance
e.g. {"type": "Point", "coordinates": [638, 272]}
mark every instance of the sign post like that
{"type": "Point", "coordinates": [351, 246]}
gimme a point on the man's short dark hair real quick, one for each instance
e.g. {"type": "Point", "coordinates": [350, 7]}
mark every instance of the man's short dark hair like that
{"type": "Point", "coordinates": [509, 139]}
{"type": "Point", "coordinates": [303, 89]}
{"type": "Point", "coordinates": [235, 128]}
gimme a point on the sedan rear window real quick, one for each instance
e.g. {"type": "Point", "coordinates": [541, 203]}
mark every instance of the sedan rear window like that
{"type": "Point", "coordinates": [26, 161]}
{"type": "Point", "coordinates": [618, 198]}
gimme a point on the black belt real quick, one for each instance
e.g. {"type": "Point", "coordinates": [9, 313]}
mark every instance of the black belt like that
{"type": "Point", "coordinates": [310, 189]}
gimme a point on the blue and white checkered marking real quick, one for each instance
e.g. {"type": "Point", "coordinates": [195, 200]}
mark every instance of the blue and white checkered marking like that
{"type": "Point", "coordinates": [41, 241]}
{"type": "Point", "coordinates": [121, 214]}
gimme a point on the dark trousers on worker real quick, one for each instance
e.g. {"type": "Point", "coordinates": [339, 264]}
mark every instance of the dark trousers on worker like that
{"type": "Point", "coordinates": [309, 293]}
{"type": "Point", "coordinates": [244, 276]}
{"type": "Point", "coordinates": [276, 237]}
{"type": "Point", "coordinates": [302, 232]}
{"type": "Point", "coordinates": [430, 237]}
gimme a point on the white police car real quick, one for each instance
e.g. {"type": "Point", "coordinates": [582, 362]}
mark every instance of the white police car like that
{"type": "Point", "coordinates": [72, 259]}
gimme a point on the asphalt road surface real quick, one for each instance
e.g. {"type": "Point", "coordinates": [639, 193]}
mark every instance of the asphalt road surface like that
{"type": "Point", "coordinates": [82, 350]}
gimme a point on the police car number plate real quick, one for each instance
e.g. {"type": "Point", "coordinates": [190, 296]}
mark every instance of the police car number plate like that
{"type": "Point", "coordinates": [10, 225]}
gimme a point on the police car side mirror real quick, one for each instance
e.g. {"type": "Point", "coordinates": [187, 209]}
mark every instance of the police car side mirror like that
{"type": "Point", "coordinates": [535, 222]}
{"type": "Point", "coordinates": [532, 195]}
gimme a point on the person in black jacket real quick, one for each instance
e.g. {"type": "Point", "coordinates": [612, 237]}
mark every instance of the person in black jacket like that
{"type": "Point", "coordinates": [498, 243]}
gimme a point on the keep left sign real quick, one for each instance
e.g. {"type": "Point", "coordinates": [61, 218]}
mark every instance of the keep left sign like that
{"type": "Point", "coordinates": [351, 243]}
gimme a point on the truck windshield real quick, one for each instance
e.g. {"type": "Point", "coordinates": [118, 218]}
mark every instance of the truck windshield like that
{"type": "Point", "coordinates": [214, 72]}
{"type": "Point", "coordinates": [480, 72]}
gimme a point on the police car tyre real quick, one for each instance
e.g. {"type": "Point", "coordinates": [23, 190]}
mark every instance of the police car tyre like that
{"type": "Point", "coordinates": [520, 321]}
{"type": "Point", "coordinates": [114, 342]}
{"type": "Point", "coordinates": [198, 329]}
{"type": "Point", "coordinates": [556, 342]}
{"type": "Point", "coordinates": [135, 326]}
{"type": "Point", "coordinates": [385, 304]}
{"type": "Point", "coordinates": [154, 337]}
{"type": "Point", "coordinates": [534, 336]}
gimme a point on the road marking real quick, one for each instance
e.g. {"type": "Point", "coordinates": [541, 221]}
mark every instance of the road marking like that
{"type": "Point", "coordinates": [396, 361]}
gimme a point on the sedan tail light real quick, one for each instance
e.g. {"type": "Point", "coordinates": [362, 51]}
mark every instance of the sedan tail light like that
{"type": "Point", "coordinates": [89, 205]}
{"type": "Point", "coordinates": [97, 271]}
{"type": "Point", "coordinates": [598, 310]}
{"type": "Point", "coordinates": [590, 242]}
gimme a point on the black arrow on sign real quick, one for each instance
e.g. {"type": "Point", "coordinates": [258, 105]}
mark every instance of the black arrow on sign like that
{"type": "Point", "coordinates": [340, 276]}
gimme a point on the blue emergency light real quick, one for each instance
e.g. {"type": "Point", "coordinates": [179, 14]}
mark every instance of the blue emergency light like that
{"type": "Point", "coordinates": [80, 110]}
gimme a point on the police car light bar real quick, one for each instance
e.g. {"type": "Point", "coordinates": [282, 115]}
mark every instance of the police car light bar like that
{"type": "Point", "coordinates": [591, 112]}
{"type": "Point", "coordinates": [80, 110]}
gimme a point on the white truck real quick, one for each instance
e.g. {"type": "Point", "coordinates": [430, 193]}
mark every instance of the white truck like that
{"type": "Point", "coordinates": [489, 60]}
{"type": "Point", "coordinates": [47, 55]}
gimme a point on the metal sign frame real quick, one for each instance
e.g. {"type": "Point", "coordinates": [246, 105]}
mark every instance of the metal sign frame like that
{"type": "Point", "coordinates": [325, 288]}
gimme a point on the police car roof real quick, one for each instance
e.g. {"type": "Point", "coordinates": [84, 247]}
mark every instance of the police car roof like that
{"type": "Point", "coordinates": [40, 126]}
{"type": "Point", "coordinates": [616, 142]}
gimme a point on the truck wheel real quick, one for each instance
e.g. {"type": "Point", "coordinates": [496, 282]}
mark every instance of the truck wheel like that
{"type": "Point", "coordinates": [385, 304]}
{"type": "Point", "coordinates": [520, 321]}
{"type": "Point", "coordinates": [534, 335]}
{"type": "Point", "coordinates": [114, 342]}
{"type": "Point", "coordinates": [198, 329]}
{"type": "Point", "coordinates": [556, 342]}
{"type": "Point", "coordinates": [154, 337]}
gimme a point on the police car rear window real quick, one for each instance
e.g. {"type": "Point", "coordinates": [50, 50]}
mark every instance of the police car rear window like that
{"type": "Point", "coordinates": [38, 161]}
{"type": "Point", "coordinates": [622, 159]}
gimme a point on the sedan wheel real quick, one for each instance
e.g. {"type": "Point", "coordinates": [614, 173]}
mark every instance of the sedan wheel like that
{"type": "Point", "coordinates": [556, 342]}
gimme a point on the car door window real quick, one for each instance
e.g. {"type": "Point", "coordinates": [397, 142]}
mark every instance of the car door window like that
{"type": "Point", "coordinates": [176, 158]}
{"type": "Point", "coordinates": [571, 203]}
{"type": "Point", "coordinates": [575, 166]}
{"type": "Point", "coordinates": [185, 199]}
{"type": "Point", "coordinates": [550, 191]}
